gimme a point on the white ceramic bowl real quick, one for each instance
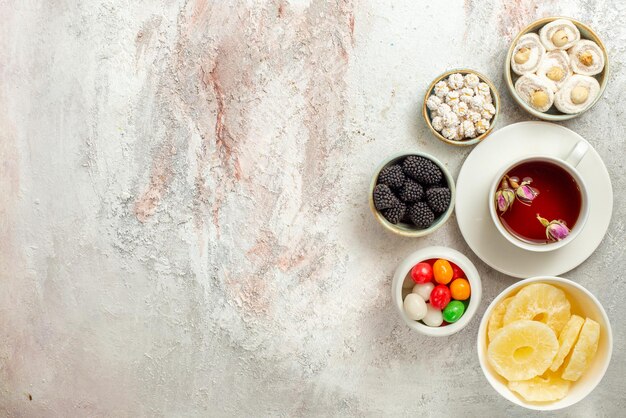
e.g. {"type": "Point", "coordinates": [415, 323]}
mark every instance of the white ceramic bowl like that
{"type": "Point", "coordinates": [403, 275]}
{"type": "Point", "coordinates": [583, 304]}
{"type": "Point", "coordinates": [553, 114]}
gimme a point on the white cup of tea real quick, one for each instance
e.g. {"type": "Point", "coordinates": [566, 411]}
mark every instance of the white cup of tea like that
{"type": "Point", "coordinates": [522, 222]}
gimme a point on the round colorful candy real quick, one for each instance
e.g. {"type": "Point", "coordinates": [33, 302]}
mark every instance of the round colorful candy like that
{"type": "Point", "coordinates": [440, 296]}
{"type": "Point", "coordinates": [434, 317]}
{"type": "Point", "coordinates": [424, 290]}
{"type": "Point", "coordinates": [414, 306]}
{"type": "Point", "coordinates": [457, 273]}
{"type": "Point", "coordinates": [442, 271]}
{"type": "Point", "coordinates": [422, 273]}
{"type": "Point", "coordinates": [453, 311]}
{"type": "Point", "coordinates": [460, 289]}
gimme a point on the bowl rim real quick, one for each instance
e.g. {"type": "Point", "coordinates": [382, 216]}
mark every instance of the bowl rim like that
{"type": "Point", "coordinates": [481, 346]}
{"type": "Point", "coordinates": [414, 233]}
{"type": "Point", "coordinates": [494, 95]}
{"type": "Point", "coordinates": [450, 254]}
{"type": "Point", "coordinates": [509, 78]}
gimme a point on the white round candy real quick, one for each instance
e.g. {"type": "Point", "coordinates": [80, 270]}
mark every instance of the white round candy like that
{"type": "Point", "coordinates": [450, 133]}
{"type": "Point", "coordinates": [452, 97]}
{"type": "Point", "coordinates": [414, 306]}
{"type": "Point", "coordinates": [424, 290]}
{"type": "Point", "coordinates": [477, 103]}
{"type": "Point", "coordinates": [486, 115]}
{"type": "Point", "coordinates": [490, 109]}
{"type": "Point", "coordinates": [482, 126]}
{"type": "Point", "coordinates": [433, 317]}
{"type": "Point", "coordinates": [468, 129]}
{"type": "Point", "coordinates": [441, 89]}
{"type": "Point", "coordinates": [483, 89]}
{"type": "Point", "coordinates": [471, 80]}
{"type": "Point", "coordinates": [437, 123]}
{"type": "Point", "coordinates": [466, 94]}
{"type": "Point", "coordinates": [455, 81]}
{"type": "Point", "coordinates": [443, 109]}
{"type": "Point", "coordinates": [433, 102]}
{"type": "Point", "coordinates": [460, 109]}
{"type": "Point", "coordinates": [450, 120]}
{"type": "Point", "coordinates": [474, 116]}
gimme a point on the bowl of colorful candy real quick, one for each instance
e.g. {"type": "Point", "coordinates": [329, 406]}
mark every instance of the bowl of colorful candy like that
{"type": "Point", "coordinates": [412, 194]}
{"type": "Point", "coordinates": [545, 343]}
{"type": "Point", "coordinates": [436, 291]}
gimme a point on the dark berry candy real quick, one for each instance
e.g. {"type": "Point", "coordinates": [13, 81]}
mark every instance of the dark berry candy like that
{"type": "Point", "coordinates": [392, 176]}
{"type": "Point", "coordinates": [384, 197]}
{"type": "Point", "coordinates": [405, 219]}
{"type": "Point", "coordinates": [438, 199]}
{"type": "Point", "coordinates": [395, 214]}
{"type": "Point", "coordinates": [421, 215]}
{"type": "Point", "coordinates": [422, 170]}
{"type": "Point", "coordinates": [411, 191]}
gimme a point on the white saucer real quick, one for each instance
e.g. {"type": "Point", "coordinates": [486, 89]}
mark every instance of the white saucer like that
{"type": "Point", "coordinates": [477, 174]}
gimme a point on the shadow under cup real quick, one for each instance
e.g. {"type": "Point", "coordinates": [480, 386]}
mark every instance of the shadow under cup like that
{"type": "Point", "coordinates": [568, 200]}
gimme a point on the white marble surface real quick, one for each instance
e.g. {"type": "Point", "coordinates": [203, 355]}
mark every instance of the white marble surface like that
{"type": "Point", "coordinates": [184, 226]}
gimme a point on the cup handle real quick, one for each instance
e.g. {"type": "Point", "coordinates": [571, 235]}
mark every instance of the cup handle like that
{"type": "Point", "coordinates": [577, 153]}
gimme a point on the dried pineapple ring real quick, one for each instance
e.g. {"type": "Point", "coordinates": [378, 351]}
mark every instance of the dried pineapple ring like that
{"type": "Point", "coordinates": [522, 350]}
{"type": "Point", "coordinates": [567, 338]}
{"type": "Point", "coordinates": [546, 388]}
{"type": "Point", "coordinates": [539, 302]}
{"type": "Point", "coordinates": [584, 351]}
{"type": "Point", "coordinates": [495, 320]}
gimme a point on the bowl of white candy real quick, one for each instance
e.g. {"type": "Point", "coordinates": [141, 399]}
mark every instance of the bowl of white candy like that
{"type": "Point", "coordinates": [461, 107]}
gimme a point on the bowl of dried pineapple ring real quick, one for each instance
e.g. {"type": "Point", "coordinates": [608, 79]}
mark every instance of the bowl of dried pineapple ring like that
{"type": "Point", "coordinates": [545, 343]}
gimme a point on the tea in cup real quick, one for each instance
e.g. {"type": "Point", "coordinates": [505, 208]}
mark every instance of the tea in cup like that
{"type": "Point", "coordinates": [540, 203]}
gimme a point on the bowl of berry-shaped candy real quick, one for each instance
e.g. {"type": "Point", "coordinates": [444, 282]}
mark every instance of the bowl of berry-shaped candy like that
{"type": "Point", "coordinates": [436, 291]}
{"type": "Point", "coordinates": [412, 194]}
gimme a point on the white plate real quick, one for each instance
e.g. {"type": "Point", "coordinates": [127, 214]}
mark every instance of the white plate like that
{"type": "Point", "coordinates": [476, 176]}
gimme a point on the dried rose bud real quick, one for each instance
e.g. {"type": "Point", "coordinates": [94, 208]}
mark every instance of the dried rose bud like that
{"type": "Point", "coordinates": [514, 182]}
{"type": "Point", "coordinates": [504, 199]}
{"type": "Point", "coordinates": [525, 193]}
{"type": "Point", "coordinates": [555, 230]}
